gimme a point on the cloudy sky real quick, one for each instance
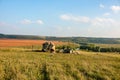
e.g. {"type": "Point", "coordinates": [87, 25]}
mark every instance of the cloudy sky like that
{"type": "Point", "coordinates": [86, 18]}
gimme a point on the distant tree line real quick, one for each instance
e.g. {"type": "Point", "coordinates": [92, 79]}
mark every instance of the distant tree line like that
{"type": "Point", "coordinates": [95, 40]}
{"type": "Point", "coordinates": [32, 37]}
{"type": "Point", "coordinates": [92, 47]}
{"type": "Point", "coordinates": [77, 40]}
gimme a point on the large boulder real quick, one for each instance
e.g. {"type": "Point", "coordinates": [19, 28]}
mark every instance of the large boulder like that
{"type": "Point", "coordinates": [45, 46]}
{"type": "Point", "coordinates": [52, 47]}
{"type": "Point", "coordinates": [48, 46]}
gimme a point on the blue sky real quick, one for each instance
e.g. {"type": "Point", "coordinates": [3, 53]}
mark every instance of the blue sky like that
{"type": "Point", "coordinates": [86, 18]}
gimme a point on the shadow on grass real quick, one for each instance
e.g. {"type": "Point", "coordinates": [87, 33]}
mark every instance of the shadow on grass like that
{"type": "Point", "coordinates": [36, 50]}
{"type": "Point", "coordinates": [33, 51]}
{"type": "Point", "coordinates": [45, 72]}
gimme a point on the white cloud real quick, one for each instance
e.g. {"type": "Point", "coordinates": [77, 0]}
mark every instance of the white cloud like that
{"type": "Point", "coordinates": [39, 22]}
{"type": "Point", "coordinates": [115, 9]}
{"type": "Point", "coordinates": [106, 14]}
{"type": "Point", "coordinates": [65, 17]}
{"type": "Point", "coordinates": [101, 6]}
{"type": "Point", "coordinates": [26, 21]}
{"type": "Point", "coordinates": [79, 19]}
{"type": "Point", "coordinates": [103, 22]}
{"type": "Point", "coordinates": [98, 26]}
{"type": "Point", "coordinates": [105, 27]}
{"type": "Point", "coordinates": [98, 21]}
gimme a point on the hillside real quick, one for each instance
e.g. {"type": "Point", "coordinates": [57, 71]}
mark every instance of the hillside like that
{"type": "Point", "coordinates": [25, 64]}
{"type": "Point", "coordinates": [71, 39]}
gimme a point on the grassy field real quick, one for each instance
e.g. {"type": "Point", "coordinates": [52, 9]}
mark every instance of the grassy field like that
{"type": "Point", "coordinates": [21, 63]}
{"type": "Point", "coordinates": [108, 45]}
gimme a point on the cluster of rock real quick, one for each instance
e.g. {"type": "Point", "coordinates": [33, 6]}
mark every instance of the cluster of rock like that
{"type": "Point", "coordinates": [50, 47]}
{"type": "Point", "coordinates": [69, 51]}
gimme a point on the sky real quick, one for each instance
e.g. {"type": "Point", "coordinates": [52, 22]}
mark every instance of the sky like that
{"type": "Point", "coordinates": [62, 18]}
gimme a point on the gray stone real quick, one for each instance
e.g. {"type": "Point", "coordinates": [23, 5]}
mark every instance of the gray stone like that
{"type": "Point", "coordinates": [48, 46]}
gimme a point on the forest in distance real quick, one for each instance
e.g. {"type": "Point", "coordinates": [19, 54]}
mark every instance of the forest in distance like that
{"type": "Point", "coordinates": [78, 40]}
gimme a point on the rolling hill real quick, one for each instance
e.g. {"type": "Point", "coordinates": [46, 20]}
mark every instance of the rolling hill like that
{"type": "Point", "coordinates": [71, 39]}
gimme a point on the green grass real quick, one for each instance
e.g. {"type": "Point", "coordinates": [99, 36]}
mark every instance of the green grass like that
{"type": "Point", "coordinates": [108, 45]}
{"type": "Point", "coordinates": [23, 64]}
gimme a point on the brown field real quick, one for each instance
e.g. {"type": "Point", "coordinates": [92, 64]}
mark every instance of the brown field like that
{"type": "Point", "coordinates": [18, 42]}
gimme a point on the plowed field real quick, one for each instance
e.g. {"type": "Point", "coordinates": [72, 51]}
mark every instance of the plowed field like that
{"type": "Point", "coordinates": [18, 42]}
